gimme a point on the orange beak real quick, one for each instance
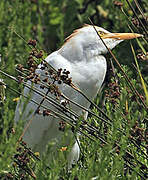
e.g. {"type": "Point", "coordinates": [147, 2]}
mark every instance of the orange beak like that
{"type": "Point", "coordinates": [122, 36]}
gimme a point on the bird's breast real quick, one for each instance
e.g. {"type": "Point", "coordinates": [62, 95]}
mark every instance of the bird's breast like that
{"type": "Point", "coordinates": [89, 75]}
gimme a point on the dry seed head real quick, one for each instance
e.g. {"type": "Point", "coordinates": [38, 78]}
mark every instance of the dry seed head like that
{"type": "Point", "coordinates": [135, 22]}
{"type": "Point", "coordinates": [143, 56]}
{"type": "Point", "coordinates": [20, 67]}
{"type": "Point", "coordinates": [32, 42]}
{"type": "Point", "coordinates": [118, 4]}
{"type": "Point", "coordinates": [20, 79]}
{"type": "Point", "coordinates": [46, 112]}
{"type": "Point", "coordinates": [39, 55]}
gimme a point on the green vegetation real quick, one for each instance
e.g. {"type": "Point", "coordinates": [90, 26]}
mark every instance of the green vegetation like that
{"type": "Point", "coordinates": [124, 152]}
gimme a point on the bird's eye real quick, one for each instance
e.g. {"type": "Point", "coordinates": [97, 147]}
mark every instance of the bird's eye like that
{"type": "Point", "coordinates": [101, 33]}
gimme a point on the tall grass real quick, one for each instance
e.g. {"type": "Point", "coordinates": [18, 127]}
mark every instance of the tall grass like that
{"type": "Point", "coordinates": [117, 147]}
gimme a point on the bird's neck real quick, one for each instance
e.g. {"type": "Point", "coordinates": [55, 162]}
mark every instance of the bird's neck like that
{"type": "Point", "coordinates": [75, 50]}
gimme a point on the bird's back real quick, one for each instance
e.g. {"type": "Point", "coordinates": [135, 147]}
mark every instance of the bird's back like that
{"type": "Point", "coordinates": [84, 75]}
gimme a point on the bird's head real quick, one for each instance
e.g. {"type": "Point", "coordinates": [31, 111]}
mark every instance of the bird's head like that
{"type": "Point", "coordinates": [86, 43]}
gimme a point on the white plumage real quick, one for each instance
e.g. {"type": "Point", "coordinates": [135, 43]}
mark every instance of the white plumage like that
{"type": "Point", "coordinates": [82, 55]}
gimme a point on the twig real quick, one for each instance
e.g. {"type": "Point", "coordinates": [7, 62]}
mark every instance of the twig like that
{"type": "Point", "coordinates": [125, 75]}
{"type": "Point", "coordinates": [137, 16]}
{"type": "Point", "coordinates": [140, 10]}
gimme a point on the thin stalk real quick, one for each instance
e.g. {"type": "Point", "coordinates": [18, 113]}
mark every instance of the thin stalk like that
{"type": "Point", "coordinates": [64, 119]}
{"type": "Point", "coordinates": [52, 102]}
{"type": "Point", "coordinates": [40, 104]}
{"type": "Point", "coordinates": [125, 75]}
{"type": "Point", "coordinates": [129, 165]}
{"type": "Point", "coordinates": [55, 114]}
{"type": "Point", "coordinates": [137, 72]}
{"type": "Point", "coordinates": [137, 16]}
{"type": "Point", "coordinates": [72, 85]}
{"type": "Point", "coordinates": [100, 110]}
{"type": "Point", "coordinates": [122, 10]}
{"type": "Point", "coordinates": [73, 102]}
{"type": "Point", "coordinates": [140, 10]}
{"type": "Point", "coordinates": [140, 75]}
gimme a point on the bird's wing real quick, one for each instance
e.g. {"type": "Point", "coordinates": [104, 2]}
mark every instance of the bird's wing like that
{"type": "Point", "coordinates": [42, 128]}
{"type": "Point", "coordinates": [57, 61]}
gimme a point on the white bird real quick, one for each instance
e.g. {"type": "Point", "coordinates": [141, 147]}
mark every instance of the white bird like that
{"type": "Point", "coordinates": [82, 55]}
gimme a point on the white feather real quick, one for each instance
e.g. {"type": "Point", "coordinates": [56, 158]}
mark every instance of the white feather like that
{"type": "Point", "coordinates": [82, 56]}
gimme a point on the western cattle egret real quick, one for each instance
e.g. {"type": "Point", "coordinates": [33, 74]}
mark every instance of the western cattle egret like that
{"type": "Point", "coordinates": [82, 55]}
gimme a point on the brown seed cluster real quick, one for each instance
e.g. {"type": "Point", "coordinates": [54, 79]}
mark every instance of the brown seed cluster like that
{"type": "Point", "coordinates": [64, 102]}
{"type": "Point", "coordinates": [117, 148]}
{"type": "Point", "coordinates": [54, 78]}
{"type": "Point", "coordinates": [59, 76]}
{"type": "Point", "coordinates": [20, 67]}
{"type": "Point", "coordinates": [36, 53]}
{"type": "Point", "coordinates": [137, 134]}
{"type": "Point", "coordinates": [20, 79]}
{"type": "Point", "coordinates": [135, 22]}
{"type": "Point", "coordinates": [113, 93]}
{"type": "Point", "coordinates": [22, 158]}
{"type": "Point", "coordinates": [143, 56]}
{"type": "Point", "coordinates": [54, 89]}
{"type": "Point", "coordinates": [140, 136]}
{"type": "Point", "coordinates": [62, 76]}
{"type": "Point", "coordinates": [118, 4]}
{"type": "Point", "coordinates": [49, 79]}
{"type": "Point", "coordinates": [23, 162]}
{"type": "Point", "coordinates": [32, 42]}
{"type": "Point", "coordinates": [45, 112]}
{"type": "Point", "coordinates": [62, 126]}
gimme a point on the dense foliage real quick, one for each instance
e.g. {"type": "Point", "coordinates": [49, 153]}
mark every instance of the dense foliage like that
{"type": "Point", "coordinates": [124, 153]}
